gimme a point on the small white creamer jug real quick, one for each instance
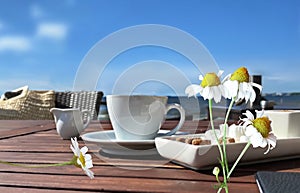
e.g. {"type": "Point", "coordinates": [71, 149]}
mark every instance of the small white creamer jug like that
{"type": "Point", "coordinates": [69, 122]}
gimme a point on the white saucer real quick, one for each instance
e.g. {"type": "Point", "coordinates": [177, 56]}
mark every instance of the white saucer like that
{"type": "Point", "coordinates": [108, 143]}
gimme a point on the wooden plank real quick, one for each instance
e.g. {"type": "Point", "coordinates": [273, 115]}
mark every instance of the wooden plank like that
{"type": "Point", "coordinates": [241, 174]}
{"type": "Point", "coordinates": [133, 172]}
{"type": "Point", "coordinates": [112, 173]}
{"type": "Point", "coordinates": [8, 189]}
{"type": "Point", "coordinates": [25, 130]}
{"type": "Point", "coordinates": [45, 158]}
{"type": "Point", "coordinates": [126, 184]}
{"type": "Point", "coordinates": [15, 124]}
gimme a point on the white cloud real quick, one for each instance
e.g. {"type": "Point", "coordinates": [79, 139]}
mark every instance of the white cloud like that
{"type": "Point", "coordinates": [283, 78]}
{"type": "Point", "coordinates": [37, 83]}
{"type": "Point", "coordinates": [275, 78]}
{"type": "Point", "coordinates": [14, 43]}
{"type": "Point", "coordinates": [52, 30]}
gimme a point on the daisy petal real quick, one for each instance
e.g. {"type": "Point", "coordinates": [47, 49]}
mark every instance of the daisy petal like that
{"type": "Point", "coordinates": [272, 140]}
{"type": "Point", "coordinates": [87, 157]}
{"type": "Point", "coordinates": [84, 150]}
{"type": "Point", "coordinates": [256, 140]}
{"type": "Point", "coordinates": [249, 115]}
{"type": "Point", "coordinates": [257, 86]}
{"type": "Point", "coordinates": [220, 73]}
{"type": "Point", "coordinates": [244, 138]}
{"type": "Point", "coordinates": [75, 147]}
{"type": "Point", "coordinates": [88, 164]}
{"type": "Point", "coordinates": [73, 150]}
{"type": "Point", "coordinates": [234, 88]}
{"type": "Point", "coordinates": [223, 90]}
{"type": "Point", "coordinates": [250, 130]}
{"type": "Point", "coordinates": [193, 90]}
{"type": "Point", "coordinates": [89, 173]}
{"type": "Point", "coordinates": [252, 95]}
{"type": "Point", "coordinates": [217, 94]}
{"type": "Point", "coordinates": [264, 143]}
{"type": "Point", "coordinates": [226, 78]}
{"type": "Point", "coordinates": [205, 93]}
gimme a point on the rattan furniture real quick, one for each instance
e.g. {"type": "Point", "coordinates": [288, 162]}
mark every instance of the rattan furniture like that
{"type": "Point", "coordinates": [36, 105]}
{"type": "Point", "coordinates": [84, 100]}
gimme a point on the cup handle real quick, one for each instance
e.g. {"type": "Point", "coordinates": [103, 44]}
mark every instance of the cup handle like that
{"type": "Point", "coordinates": [87, 122]}
{"type": "Point", "coordinates": [182, 117]}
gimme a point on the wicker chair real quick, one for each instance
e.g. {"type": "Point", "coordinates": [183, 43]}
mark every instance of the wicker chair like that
{"type": "Point", "coordinates": [84, 100]}
{"type": "Point", "coordinates": [25, 104]}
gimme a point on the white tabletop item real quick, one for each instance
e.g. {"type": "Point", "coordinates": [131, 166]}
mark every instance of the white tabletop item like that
{"type": "Point", "coordinates": [139, 117]}
{"type": "Point", "coordinates": [69, 122]}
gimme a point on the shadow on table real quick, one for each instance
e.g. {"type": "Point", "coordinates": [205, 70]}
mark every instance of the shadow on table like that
{"type": "Point", "coordinates": [135, 157]}
{"type": "Point", "coordinates": [251, 169]}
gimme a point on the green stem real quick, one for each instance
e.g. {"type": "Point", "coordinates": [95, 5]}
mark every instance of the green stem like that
{"type": "Point", "coordinates": [36, 166]}
{"type": "Point", "coordinates": [218, 144]}
{"type": "Point", "coordinates": [229, 109]}
{"type": "Point", "coordinates": [226, 189]}
{"type": "Point", "coordinates": [217, 178]}
{"type": "Point", "coordinates": [238, 159]}
{"type": "Point", "coordinates": [220, 189]}
{"type": "Point", "coordinates": [225, 132]}
{"type": "Point", "coordinates": [213, 128]}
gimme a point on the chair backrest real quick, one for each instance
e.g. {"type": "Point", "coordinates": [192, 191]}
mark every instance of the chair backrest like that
{"type": "Point", "coordinates": [27, 104]}
{"type": "Point", "coordinates": [84, 100]}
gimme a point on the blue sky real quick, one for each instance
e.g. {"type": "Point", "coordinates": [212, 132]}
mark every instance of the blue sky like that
{"type": "Point", "coordinates": [42, 43]}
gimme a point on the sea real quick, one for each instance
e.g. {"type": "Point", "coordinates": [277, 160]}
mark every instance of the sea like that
{"type": "Point", "coordinates": [196, 108]}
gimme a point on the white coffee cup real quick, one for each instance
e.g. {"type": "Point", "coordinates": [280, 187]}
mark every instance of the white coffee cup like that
{"type": "Point", "coordinates": [139, 117]}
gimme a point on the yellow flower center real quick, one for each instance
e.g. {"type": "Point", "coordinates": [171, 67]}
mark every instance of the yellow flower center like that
{"type": "Point", "coordinates": [241, 75]}
{"type": "Point", "coordinates": [263, 125]}
{"type": "Point", "coordinates": [210, 79]}
{"type": "Point", "coordinates": [81, 159]}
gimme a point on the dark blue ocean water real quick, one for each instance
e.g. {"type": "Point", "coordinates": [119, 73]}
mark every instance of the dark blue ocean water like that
{"type": "Point", "coordinates": [196, 108]}
{"type": "Point", "coordinates": [285, 101]}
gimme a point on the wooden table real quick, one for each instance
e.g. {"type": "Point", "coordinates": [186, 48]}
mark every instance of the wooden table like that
{"type": "Point", "coordinates": [36, 142]}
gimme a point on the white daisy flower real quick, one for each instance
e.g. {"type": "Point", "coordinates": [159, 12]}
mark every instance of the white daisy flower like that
{"type": "Point", "coordinates": [81, 159]}
{"type": "Point", "coordinates": [210, 87]}
{"type": "Point", "coordinates": [238, 85]}
{"type": "Point", "coordinates": [259, 132]}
